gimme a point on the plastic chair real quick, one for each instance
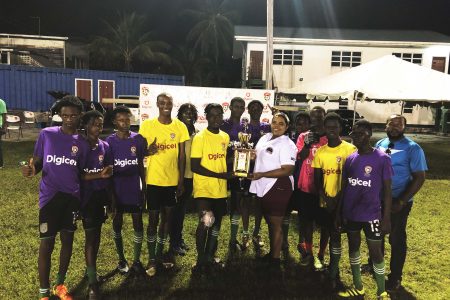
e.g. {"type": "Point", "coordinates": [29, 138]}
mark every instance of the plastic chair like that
{"type": "Point", "coordinates": [13, 123]}
{"type": "Point", "coordinates": [29, 117]}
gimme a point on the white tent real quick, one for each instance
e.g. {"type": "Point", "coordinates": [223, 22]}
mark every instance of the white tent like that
{"type": "Point", "coordinates": [387, 78]}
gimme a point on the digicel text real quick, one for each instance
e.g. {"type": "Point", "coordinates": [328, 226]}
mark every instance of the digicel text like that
{"type": "Point", "coordinates": [166, 146]}
{"type": "Point", "coordinates": [60, 160]}
{"type": "Point", "coordinates": [331, 171]}
{"type": "Point", "coordinates": [126, 162]}
{"type": "Point", "coordinates": [357, 181]}
{"type": "Point", "coordinates": [216, 156]}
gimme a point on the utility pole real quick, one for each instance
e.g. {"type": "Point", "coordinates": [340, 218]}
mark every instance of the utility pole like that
{"type": "Point", "coordinates": [39, 24]}
{"type": "Point", "coordinates": [269, 51]}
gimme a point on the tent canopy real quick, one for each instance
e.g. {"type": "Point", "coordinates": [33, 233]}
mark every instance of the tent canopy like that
{"type": "Point", "coordinates": [388, 78]}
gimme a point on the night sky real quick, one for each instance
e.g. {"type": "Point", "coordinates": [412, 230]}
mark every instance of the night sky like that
{"type": "Point", "coordinates": [83, 18]}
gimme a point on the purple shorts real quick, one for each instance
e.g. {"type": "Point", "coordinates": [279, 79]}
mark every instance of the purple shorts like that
{"type": "Point", "coordinates": [276, 200]}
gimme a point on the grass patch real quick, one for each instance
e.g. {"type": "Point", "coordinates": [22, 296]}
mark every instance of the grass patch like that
{"type": "Point", "coordinates": [425, 276]}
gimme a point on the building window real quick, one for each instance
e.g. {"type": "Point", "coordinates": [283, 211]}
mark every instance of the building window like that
{"type": "Point", "coordinates": [4, 58]}
{"type": "Point", "coordinates": [345, 59]}
{"type": "Point", "coordinates": [415, 58]}
{"type": "Point", "coordinates": [287, 57]}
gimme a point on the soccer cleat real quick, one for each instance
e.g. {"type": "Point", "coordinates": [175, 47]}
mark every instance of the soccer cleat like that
{"type": "Point", "coordinates": [178, 250]}
{"type": "Point", "coordinates": [184, 246]}
{"type": "Point", "coordinates": [257, 241]}
{"type": "Point", "coordinates": [245, 242]}
{"type": "Point", "coordinates": [123, 267]}
{"type": "Point", "coordinates": [45, 298]}
{"type": "Point", "coordinates": [137, 268]}
{"type": "Point", "coordinates": [94, 292]}
{"type": "Point", "coordinates": [319, 264]}
{"type": "Point", "coordinates": [383, 296]}
{"type": "Point", "coordinates": [352, 293]}
{"type": "Point", "coordinates": [393, 285]}
{"type": "Point", "coordinates": [61, 292]}
{"type": "Point", "coordinates": [306, 260]}
{"type": "Point", "coordinates": [151, 268]}
{"type": "Point", "coordinates": [234, 247]}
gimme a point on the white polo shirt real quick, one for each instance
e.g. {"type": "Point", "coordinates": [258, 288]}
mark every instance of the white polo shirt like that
{"type": "Point", "coordinates": [271, 155]}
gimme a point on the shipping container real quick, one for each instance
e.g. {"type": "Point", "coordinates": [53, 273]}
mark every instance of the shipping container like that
{"type": "Point", "coordinates": [25, 88]}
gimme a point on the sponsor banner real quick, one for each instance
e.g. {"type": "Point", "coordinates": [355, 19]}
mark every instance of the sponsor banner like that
{"type": "Point", "coordinates": [200, 97]}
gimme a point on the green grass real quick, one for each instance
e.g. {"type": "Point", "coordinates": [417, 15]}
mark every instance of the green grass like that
{"type": "Point", "coordinates": [426, 274]}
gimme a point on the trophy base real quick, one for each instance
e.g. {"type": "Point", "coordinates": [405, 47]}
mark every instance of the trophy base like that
{"type": "Point", "coordinates": [240, 174]}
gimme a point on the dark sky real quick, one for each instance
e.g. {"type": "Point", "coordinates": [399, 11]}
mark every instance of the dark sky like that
{"type": "Point", "coordinates": [83, 18]}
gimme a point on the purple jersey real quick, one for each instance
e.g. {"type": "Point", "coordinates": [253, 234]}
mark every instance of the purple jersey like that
{"type": "Point", "coordinates": [232, 129]}
{"type": "Point", "coordinates": [258, 131]}
{"type": "Point", "coordinates": [128, 154]}
{"type": "Point", "coordinates": [363, 193]}
{"type": "Point", "coordinates": [98, 158]}
{"type": "Point", "coordinates": [63, 158]}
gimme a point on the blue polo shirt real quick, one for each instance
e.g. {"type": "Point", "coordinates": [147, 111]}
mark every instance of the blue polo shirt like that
{"type": "Point", "coordinates": [407, 157]}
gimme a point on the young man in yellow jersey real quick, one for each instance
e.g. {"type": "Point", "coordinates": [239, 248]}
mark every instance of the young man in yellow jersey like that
{"type": "Point", "coordinates": [209, 165]}
{"type": "Point", "coordinates": [328, 164]}
{"type": "Point", "coordinates": [164, 178]}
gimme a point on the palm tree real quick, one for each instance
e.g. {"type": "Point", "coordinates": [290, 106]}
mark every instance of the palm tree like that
{"type": "Point", "coordinates": [212, 33]}
{"type": "Point", "coordinates": [128, 42]}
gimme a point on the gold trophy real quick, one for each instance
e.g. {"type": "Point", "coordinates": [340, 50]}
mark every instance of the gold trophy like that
{"type": "Point", "coordinates": [242, 153]}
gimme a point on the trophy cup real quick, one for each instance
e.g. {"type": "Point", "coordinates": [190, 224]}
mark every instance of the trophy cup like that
{"type": "Point", "coordinates": [242, 153]}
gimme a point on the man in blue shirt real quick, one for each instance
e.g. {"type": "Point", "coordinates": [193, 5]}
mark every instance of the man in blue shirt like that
{"type": "Point", "coordinates": [409, 164]}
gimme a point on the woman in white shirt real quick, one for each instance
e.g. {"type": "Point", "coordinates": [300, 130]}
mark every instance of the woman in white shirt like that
{"type": "Point", "coordinates": [272, 180]}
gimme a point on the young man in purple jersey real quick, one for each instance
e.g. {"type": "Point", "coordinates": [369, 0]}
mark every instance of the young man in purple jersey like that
{"type": "Point", "coordinates": [128, 150]}
{"type": "Point", "coordinates": [94, 194]}
{"type": "Point", "coordinates": [257, 129]}
{"type": "Point", "coordinates": [61, 154]}
{"type": "Point", "coordinates": [232, 126]}
{"type": "Point", "coordinates": [366, 205]}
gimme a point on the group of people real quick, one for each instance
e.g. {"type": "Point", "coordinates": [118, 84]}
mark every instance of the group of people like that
{"type": "Point", "coordinates": [335, 184]}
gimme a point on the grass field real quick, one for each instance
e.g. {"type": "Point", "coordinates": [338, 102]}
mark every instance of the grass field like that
{"type": "Point", "coordinates": [426, 276]}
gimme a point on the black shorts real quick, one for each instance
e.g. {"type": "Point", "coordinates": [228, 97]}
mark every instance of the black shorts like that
{"type": "Point", "coordinates": [94, 212]}
{"type": "Point", "coordinates": [128, 208]}
{"type": "Point", "coordinates": [371, 229]}
{"type": "Point", "coordinates": [217, 206]}
{"type": "Point", "coordinates": [58, 214]}
{"type": "Point", "coordinates": [308, 205]}
{"type": "Point", "coordinates": [161, 196]}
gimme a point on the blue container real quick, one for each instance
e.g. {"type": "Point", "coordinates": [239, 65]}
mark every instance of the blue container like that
{"type": "Point", "coordinates": [25, 88]}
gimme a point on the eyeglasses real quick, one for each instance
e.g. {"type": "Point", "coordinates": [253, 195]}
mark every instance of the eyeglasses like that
{"type": "Point", "coordinates": [388, 150]}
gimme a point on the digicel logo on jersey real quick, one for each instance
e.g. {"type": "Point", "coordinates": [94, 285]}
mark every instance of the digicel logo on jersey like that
{"type": "Point", "coordinates": [357, 181]}
{"type": "Point", "coordinates": [126, 162]}
{"type": "Point", "coordinates": [331, 171]}
{"type": "Point", "coordinates": [216, 156]}
{"type": "Point", "coordinates": [163, 147]}
{"type": "Point", "coordinates": [57, 160]}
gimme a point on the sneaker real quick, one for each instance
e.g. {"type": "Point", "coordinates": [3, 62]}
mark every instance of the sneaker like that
{"type": "Point", "coordinates": [234, 247]}
{"type": "Point", "coordinates": [94, 292]}
{"type": "Point", "coordinates": [383, 296]}
{"type": "Point", "coordinates": [245, 242]}
{"type": "Point", "coordinates": [319, 264]}
{"type": "Point", "coordinates": [151, 268]}
{"type": "Point", "coordinates": [352, 293]}
{"type": "Point", "coordinates": [393, 285]}
{"type": "Point", "coordinates": [123, 267]}
{"type": "Point", "coordinates": [178, 250]}
{"type": "Point", "coordinates": [367, 269]}
{"type": "Point", "coordinates": [306, 260]}
{"type": "Point", "coordinates": [61, 292]}
{"type": "Point", "coordinates": [257, 241]}
{"type": "Point", "coordinates": [137, 268]}
{"type": "Point", "coordinates": [45, 298]}
{"type": "Point", "coordinates": [184, 246]}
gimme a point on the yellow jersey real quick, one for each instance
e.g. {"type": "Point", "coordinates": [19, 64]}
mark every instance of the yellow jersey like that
{"type": "Point", "coordinates": [211, 148]}
{"type": "Point", "coordinates": [162, 167]}
{"type": "Point", "coordinates": [331, 160]}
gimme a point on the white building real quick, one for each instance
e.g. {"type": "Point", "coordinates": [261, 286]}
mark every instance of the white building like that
{"type": "Point", "coordinates": [305, 54]}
